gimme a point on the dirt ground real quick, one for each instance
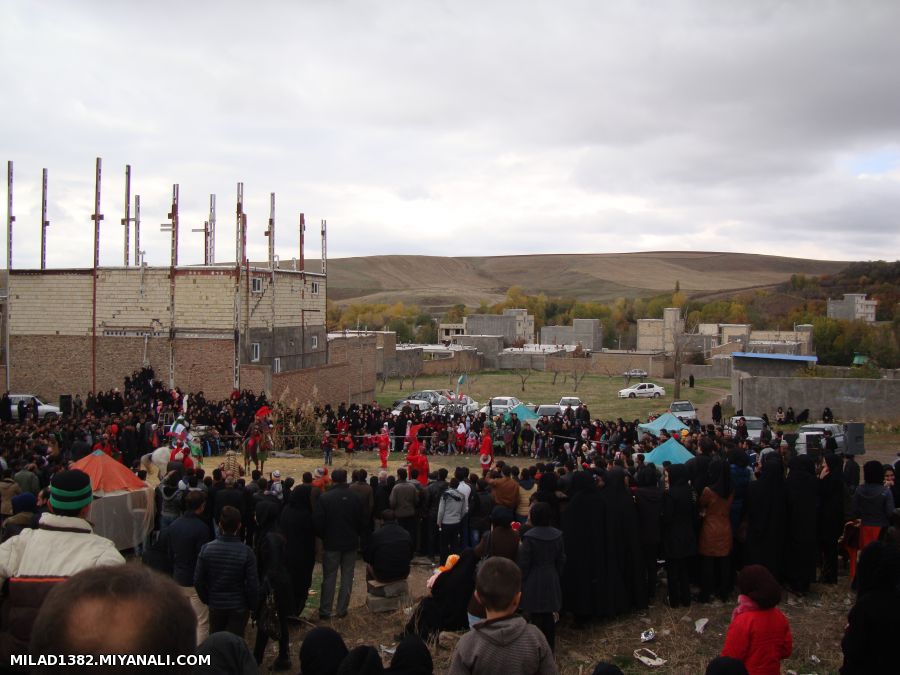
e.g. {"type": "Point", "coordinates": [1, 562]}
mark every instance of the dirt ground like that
{"type": "Point", "coordinates": [817, 622]}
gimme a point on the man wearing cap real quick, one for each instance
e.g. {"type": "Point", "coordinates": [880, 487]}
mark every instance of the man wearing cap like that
{"type": "Point", "coordinates": [36, 560]}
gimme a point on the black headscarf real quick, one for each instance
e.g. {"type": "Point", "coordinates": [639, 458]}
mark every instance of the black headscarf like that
{"type": "Point", "coordinates": [411, 658]}
{"type": "Point", "coordinates": [322, 652]}
{"type": "Point", "coordinates": [363, 660]}
{"type": "Point", "coordinates": [719, 478]}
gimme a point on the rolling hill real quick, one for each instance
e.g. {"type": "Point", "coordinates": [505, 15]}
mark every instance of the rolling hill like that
{"type": "Point", "coordinates": [436, 282]}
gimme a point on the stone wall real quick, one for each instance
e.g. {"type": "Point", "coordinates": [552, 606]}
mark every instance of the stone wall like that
{"type": "Point", "coordinates": [851, 400]}
{"type": "Point", "coordinates": [717, 367]}
{"type": "Point", "coordinates": [489, 346]}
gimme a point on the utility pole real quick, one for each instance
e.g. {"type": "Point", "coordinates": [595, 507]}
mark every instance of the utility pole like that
{"type": "Point", "coordinates": [10, 219]}
{"type": "Point", "coordinates": [172, 227]}
{"type": "Point", "coordinates": [211, 232]}
{"type": "Point", "coordinates": [302, 234]}
{"type": "Point", "coordinates": [96, 217]}
{"type": "Point", "coordinates": [137, 231]}
{"type": "Point", "coordinates": [126, 221]}
{"type": "Point", "coordinates": [44, 222]}
{"type": "Point", "coordinates": [324, 248]}
{"type": "Point", "coordinates": [240, 222]}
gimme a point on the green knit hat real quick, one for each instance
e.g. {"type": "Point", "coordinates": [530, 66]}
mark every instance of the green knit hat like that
{"type": "Point", "coordinates": [70, 490]}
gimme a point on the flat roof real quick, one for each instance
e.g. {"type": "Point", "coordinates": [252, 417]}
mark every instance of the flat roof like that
{"type": "Point", "coordinates": [777, 357]}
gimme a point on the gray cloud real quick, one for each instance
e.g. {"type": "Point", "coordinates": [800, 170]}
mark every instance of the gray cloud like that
{"type": "Point", "coordinates": [463, 127]}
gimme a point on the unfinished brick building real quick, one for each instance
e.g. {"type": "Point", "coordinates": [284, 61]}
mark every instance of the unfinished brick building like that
{"type": "Point", "coordinates": [211, 327]}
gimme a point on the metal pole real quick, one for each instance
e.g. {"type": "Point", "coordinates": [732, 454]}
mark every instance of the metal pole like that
{"type": "Point", "coordinates": [172, 228]}
{"type": "Point", "coordinates": [96, 217]}
{"type": "Point", "coordinates": [238, 260]}
{"type": "Point", "coordinates": [44, 221]}
{"type": "Point", "coordinates": [324, 248]}
{"type": "Point", "coordinates": [211, 231]}
{"type": "Point", "coordinates": [270, 233]}
{"type": "Point", "coordinates": [126, 221]}
{"type": "Point", "coordinates": [137, 230]}
{"type": "Point", "coordinates": [10, 219]}
{"type": "Point", "coordinates": [302, 234]}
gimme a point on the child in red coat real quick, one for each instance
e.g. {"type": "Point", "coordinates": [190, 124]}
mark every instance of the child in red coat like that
{"type": "Point", "coordinates": [759, 634]}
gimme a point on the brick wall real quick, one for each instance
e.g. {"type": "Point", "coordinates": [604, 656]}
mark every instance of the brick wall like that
{"type": "Point", "coordinates": [50, 365]}
{"type": "Point", "coordinates": [614, 363]}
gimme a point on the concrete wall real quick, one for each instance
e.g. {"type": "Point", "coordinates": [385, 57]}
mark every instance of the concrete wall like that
{"type": "Point", "coordinates": [492, 324]}
{"type": "Point", "coordinates": [586, 332]}
{"type": "Point", "coordinates": [650, 335]}
{"type": "Point", "coordinates": [768, 367]}
{"type": "Point", "coordinates": [851, 400]}
{"type": "Point", "coordinates": [461, 361]}
{"type": "Point", "coordinates": [489, 346]}
{"type": "Point", "coordinates": [614, 363]}
{"type": "Point", "coordinates": [522, 361]}
{"type": "Point", "coordinates": [717, 367]}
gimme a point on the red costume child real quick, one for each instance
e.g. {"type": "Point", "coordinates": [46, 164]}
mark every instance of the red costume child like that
{"type": "Point", "coordinates": [486, 452]}
{"type": "Point", "coordinates": [384, 445]}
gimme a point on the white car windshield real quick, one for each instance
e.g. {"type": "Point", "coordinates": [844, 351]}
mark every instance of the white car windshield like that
{"type": "Point", "coordinates": [682, 407]}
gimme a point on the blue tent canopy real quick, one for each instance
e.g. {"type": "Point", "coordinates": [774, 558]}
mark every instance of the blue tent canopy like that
{"type": "Point", "coordinates": [671, 451]}
{"type": "Point", "coordinates": [666, 421]}
{"type": "Point", "coordinates": [523, 412]}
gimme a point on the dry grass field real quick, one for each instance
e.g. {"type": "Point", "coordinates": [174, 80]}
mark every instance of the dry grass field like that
{"type": "Point", "coordinates": [433, 281]}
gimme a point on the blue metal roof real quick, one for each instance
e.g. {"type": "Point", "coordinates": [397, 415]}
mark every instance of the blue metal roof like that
{"type": "Point", "coordinates": [777, 357]}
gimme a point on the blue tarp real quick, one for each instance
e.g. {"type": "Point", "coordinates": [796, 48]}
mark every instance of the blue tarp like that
{"type": "Point", "coordinates": [666, 421]}
{"type": "Point", "coordinates": [670, 451]}
{"type": "Point", "coordinates": [523, 412]}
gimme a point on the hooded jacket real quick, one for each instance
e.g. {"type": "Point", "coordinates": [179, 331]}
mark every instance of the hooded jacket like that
{"type": "Point", "coordinates": [452, 508]}
{"type": "Point", "coordinates": [506, 645]}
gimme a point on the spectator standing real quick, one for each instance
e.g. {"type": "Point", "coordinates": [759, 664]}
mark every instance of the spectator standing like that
{"type": "Point", "coordinates": [338, 519]}
{"type": "Point", "coordinates": [404, 502]}
{"type": "Point", "coordinates": [182, 542]}
{"type": "Point", "coordinates": [226, 576]}
{"type": "Point", "coordinates": [452, 510]}
{"type": "Point", "coordinates": [541, 559]}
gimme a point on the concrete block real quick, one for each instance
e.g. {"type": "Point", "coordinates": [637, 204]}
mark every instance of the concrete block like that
{"type": "Point", "coordinates": [379, 605]}
{"type": "Point", "coordinates": [393, 589]}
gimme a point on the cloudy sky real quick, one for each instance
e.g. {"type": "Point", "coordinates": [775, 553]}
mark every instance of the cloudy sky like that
{"type": "Point", "coordinates": [460, 128]}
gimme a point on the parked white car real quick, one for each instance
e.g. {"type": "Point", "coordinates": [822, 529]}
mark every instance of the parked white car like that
{"type": "Point", "coordinates": [500, 404]}
{"type": "Point", "coordinates": [807, 430]}
{"type": "Point", "coordinates": [548, 410]}
{"type": "Point", "coordinates": [45, 410]}
{"type": "Point", "coordinates": [567, 401]}
{"type": "Point", "coordinates": [754, 426]}
{"type": "Point", "coordinates": [683, 410]}
{"type": "Point", "coordinates": [635, 372]}
{"type": "Point", "coordinates": [642, 390]}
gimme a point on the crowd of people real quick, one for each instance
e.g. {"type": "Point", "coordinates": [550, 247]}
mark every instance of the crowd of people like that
{"type": "Point", "coordinates": [564, 520]}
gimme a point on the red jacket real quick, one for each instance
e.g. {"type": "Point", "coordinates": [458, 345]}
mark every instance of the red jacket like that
{"type": "Point", "coordinates": [761, 639]}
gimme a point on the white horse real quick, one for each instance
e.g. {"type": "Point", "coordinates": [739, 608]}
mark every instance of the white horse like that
{"type": "Point", "coordinates": [158, 458]}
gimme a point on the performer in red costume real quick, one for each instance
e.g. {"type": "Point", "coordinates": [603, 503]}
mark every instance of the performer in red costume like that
{"type": "Point", "coordinates": [486, 452]}
{"type": "Point", "coordinates": [414, 455]}
{"type": "Point", "coordinates": [384, 445]}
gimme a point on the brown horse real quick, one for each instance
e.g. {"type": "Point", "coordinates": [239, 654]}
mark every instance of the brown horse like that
{"type": "Point", "coordinates": [258, 452]}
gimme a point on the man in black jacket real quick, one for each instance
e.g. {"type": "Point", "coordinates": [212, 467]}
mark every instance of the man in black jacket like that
{"type": "Point", "coordinates": [226, 578]}
{"type": "Point", "coordinates": [390, 551]}
{"type": "Point", "coordinates": [338, 519]}
{"type": "Point", "coordinates": [182, 542]}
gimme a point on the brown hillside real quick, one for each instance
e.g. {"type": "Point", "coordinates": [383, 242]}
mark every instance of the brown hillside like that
{"type": "Point", "coordinates": [433, 281]}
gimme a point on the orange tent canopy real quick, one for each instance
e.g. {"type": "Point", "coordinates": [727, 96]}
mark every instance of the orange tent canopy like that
{"type": "Point", "coordinates": [108, 475]}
